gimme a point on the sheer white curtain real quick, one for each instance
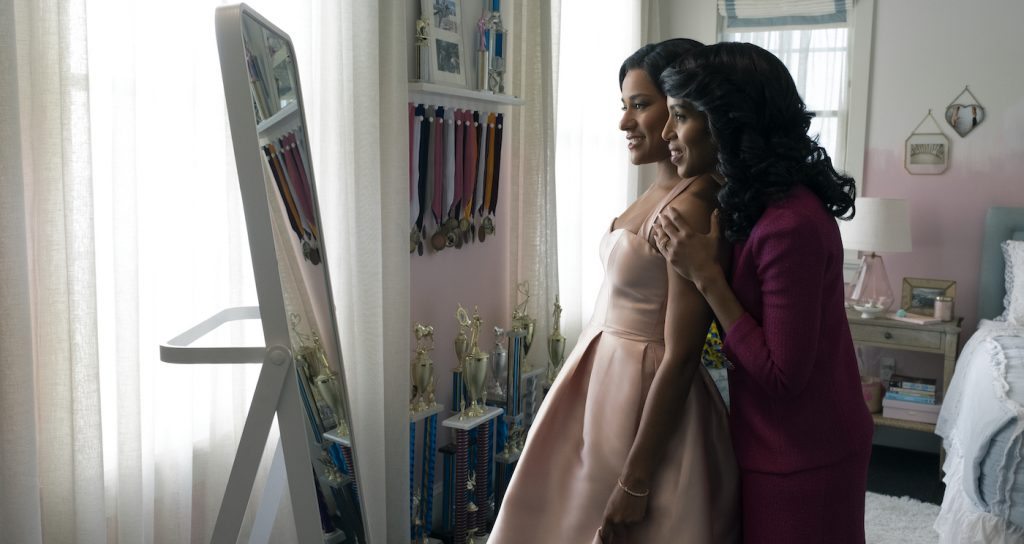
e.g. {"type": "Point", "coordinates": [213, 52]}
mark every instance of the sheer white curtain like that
{"type": "Point", "coordinates": [534, 243]}
{"type": "Point", "coordinates": [595, 178]}
{"type": "Point", "coordinates": [122, 227]}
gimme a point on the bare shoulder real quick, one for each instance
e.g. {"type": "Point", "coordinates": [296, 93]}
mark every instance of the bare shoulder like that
{"type": "Point", "coordinates": [696, 203]}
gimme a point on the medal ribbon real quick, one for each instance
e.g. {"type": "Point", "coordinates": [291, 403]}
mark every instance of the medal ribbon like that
{"type": "Point", "coordinates": [497, 162]}
{"type": "Point", "coordinates": [481, 167]}
{"type": "Point", "coordinates": [460, 152]}
{"type": "Point", "coordinates": [490, 164]}
{"type": "Point", "coordinates": [449, 164]}
{"type": "Point", "coordinates": [438, 165]}
{"type": "Point", "coordinates": [431, 143]}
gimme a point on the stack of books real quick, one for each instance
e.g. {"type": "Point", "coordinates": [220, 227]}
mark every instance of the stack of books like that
{"type": "Point", "coordinates": [910, 398]}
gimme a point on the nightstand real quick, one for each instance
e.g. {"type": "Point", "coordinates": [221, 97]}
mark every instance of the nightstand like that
{"type": "Point", "coordinates": [940, 338]}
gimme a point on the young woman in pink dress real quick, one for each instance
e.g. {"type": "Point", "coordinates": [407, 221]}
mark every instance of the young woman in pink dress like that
{"type": "Point", "coordinates": [799, 424]}
{"type": "Point", "coordinates": [631, 444]}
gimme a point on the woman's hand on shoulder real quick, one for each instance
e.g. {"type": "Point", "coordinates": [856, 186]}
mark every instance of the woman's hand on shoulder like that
{"type": "Point", "coordinates": [695, 254]}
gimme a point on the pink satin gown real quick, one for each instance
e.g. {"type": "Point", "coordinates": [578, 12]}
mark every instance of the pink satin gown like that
{"type": "Point", "coordinates": [578, 444]}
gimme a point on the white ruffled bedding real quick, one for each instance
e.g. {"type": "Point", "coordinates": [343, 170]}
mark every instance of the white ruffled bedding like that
{"type": "Point", "coordinates": [985, 397]}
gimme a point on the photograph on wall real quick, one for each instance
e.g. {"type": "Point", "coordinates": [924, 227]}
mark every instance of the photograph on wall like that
{"type": "Point", "coordinates": [446, 53]}
{"type": "Point", "coordinates": [927, 153]}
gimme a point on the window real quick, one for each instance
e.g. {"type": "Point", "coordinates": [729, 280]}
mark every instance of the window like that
{"type": "Point", "coordinates": [818, 60]}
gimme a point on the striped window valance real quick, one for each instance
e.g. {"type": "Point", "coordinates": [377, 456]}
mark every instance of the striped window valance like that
{"type": "Point", "coordinates": [760, 14]}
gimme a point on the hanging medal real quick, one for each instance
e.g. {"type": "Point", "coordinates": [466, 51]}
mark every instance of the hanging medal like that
{"type": "Point", "coordinates": [428, 202]}
{"type": "Point", "coordinates": [437, 240]}
{"type": "Point", "coordinates": [421, 181]}
{"type": "Point", "coordinates": [481, 176]}
{"type": "Point", "coordinates": [416, 118]}
{"type": "Point", "coordinates": [469, 176]}
{"type": "Point", "coordinates": [488, 223]}
{"type": "Point", "coordinates": [456, 211]}
{"type": "Point", "coordinates": [493, 204]}
{"type": "Point", "coordinates": [450, 222]}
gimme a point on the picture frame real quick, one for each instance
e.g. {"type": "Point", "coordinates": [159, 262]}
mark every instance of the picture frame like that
{"type": "Point", "coordinates": [447, 56]}
{"type": "Point", "coordinates": [926, 153]}
{"type": "Point", "coordinates": [919, 294]}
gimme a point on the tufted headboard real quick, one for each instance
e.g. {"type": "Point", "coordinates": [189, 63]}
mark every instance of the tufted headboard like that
{"type": "Point", "coordinates": [1001, 224]}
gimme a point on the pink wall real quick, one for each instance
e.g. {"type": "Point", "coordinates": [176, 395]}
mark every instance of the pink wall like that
{"type": "Point", "coordinates": [924, 52]}
{"type": "Point", "coordinates": [476, 275]}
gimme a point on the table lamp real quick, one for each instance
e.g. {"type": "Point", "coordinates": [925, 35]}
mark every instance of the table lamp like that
{"type": "Point", "coordinates": [880, 225]}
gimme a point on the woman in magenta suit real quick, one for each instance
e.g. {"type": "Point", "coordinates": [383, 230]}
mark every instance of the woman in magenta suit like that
{"type": "Point", "coordinates": [800, 428]}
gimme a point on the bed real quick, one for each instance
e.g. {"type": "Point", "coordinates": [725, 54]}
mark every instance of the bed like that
{"type": "Point", "coordinates": [982, 417]}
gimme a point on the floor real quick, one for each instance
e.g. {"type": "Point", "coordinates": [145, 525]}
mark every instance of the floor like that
{"type": "Point", "coordinates": [899, 472]}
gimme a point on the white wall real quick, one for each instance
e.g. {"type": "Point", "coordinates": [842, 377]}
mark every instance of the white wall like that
{"type": "Point", "coordinates": [694, 19]}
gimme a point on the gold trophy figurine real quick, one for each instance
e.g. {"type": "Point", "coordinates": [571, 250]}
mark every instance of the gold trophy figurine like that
{"type": "Point", "coordinates": [521, 320]}
{"type": "Point", "coordinates": [461, 342]}
{"type": "Point", "coordinates": [327, 384]}
{"type": "Point", "coordinates": [311, 355]}
{"type": "Point", "coordinates": [422, 52]}
{"type": "Point", "coordinates": [474, 375]}
{"type": "Point", "coordinates": [499, 365]}
{"type": "Point", "coordinates": [556, 343]}
{"type": "Point", "coordinates": [422, 397]}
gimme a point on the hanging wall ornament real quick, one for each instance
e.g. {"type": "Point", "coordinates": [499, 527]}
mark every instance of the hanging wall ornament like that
{"type": "Point", "coordinates": [926, 152]}
{"type": "Point", "coordinates": [964, 115]}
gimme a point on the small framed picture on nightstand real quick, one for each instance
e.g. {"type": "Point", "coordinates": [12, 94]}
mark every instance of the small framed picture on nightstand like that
{"type": "Point", "coordinates": [919, 294]}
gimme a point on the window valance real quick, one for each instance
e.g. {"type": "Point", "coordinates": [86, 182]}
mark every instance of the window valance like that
{"type": "Point", "coordinates": [764, 14]}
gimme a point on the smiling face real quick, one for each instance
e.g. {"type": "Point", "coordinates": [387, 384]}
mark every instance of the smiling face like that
{"type": "Point", "coordinates": [643, 116]}
{"type": "Point", "coordinates": [689, 139]}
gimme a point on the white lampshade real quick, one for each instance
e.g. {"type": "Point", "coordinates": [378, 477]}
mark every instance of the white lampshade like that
{"type": "Point", "coordinates": [880, 225]}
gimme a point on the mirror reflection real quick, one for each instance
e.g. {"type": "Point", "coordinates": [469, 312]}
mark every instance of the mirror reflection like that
{"type": "Point", "coordinates": [295, 219]}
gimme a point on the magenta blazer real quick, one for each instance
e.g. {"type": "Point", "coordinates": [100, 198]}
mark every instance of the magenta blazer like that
{"type": "Point", "coordinates": [795, 394]}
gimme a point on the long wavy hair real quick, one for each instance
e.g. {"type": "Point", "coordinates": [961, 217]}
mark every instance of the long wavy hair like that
{"type": "Point", "coordinates": [654, 58]}
{"type": "Point", "coordinates": [759, 123]}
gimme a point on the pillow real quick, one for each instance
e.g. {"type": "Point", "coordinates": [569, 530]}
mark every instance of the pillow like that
{"type": "Point", "coordinates": [1013, 257]}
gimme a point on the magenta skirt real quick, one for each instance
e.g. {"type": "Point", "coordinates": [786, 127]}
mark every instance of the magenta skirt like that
{"type": "Point", "coordinates": [819, 505]}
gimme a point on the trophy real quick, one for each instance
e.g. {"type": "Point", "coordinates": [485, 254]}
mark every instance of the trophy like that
{"type": "Point", "coordinates": [461, 342]}
{"type": "Point", "coordinates": [474, 369]}
{"type": "Point", "coordinates": [499, 364]}
{"type": "Point", "coordinates": [556, 343]}
{"type": "Point", "coordinates": [311, 352]}
{"type": "Point", "coordinates": [493, 44]}
{"type": "Point", "coordinates": [422, 397]}
{"type": "Point", "coordinates": [422, 48]}
{"type": "Point", "coordinates": [327, 384]}
{"type": "Point", "coordinates": [522, 320]}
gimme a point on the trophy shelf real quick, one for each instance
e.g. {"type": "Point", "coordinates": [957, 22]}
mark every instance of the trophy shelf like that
{"type": "Point", "coordinates": [282, 117]}
{"type": "Point", "coordinates": [433, 89]}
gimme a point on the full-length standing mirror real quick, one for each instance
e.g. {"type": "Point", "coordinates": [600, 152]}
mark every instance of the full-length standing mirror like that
{"type": "Point", "coordinates": [275, 170]}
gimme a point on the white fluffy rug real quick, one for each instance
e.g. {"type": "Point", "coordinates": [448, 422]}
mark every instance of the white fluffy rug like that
{"type": "Point", "coordinates": [899, 520]}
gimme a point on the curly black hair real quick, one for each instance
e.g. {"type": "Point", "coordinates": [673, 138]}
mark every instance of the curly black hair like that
{"type": "Point", "coordinates": [759, 123]}
{"type": "Point", "coordinates": [654, 58]}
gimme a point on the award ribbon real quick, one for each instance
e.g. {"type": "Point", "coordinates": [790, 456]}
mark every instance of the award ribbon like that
{"type": "Point", "coordinates": [414, 166]}
{"type": "Point", "coordinates": [460, 116]}
{"type": "Point", "coordinates": [449, 162]}
{"type": "Point", "coordinates": [497, 162]}
{"type": "Point", "coordinates": [490, 164]}
{"type": "Point", "coordinates": [428, 192]}
{"type": "Point", "coordinates": [282, 187]}
{"type": "Point", "coordinates": [438, 165]}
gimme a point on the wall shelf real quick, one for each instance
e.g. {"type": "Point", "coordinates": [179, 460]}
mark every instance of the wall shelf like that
{"type": "Point", "coordinates": [420, 87]}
